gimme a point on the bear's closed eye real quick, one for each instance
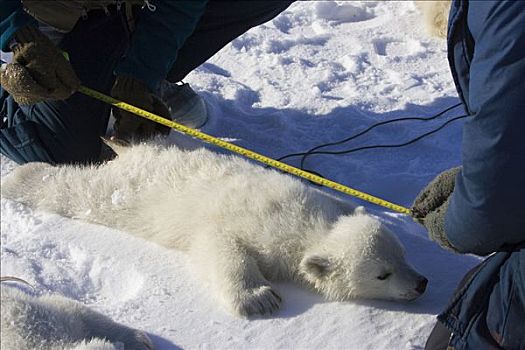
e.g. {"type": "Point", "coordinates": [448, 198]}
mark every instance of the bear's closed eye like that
{"type": "Point", "coordinates": [384, 276]}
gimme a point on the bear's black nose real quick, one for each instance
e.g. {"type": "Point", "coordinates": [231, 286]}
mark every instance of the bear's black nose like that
{"type": "Point", "coordinates": [422, 285]}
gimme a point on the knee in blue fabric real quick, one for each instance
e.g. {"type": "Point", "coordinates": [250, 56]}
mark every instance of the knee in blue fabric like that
{"type": "Point", "coordinates": [22, 145]}
{"type": "Point", "coordinates": [52, 132]}
{"type": "Point", "coordinates": [506, 310]}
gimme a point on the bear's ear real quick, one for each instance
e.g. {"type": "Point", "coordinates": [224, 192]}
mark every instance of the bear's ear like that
{"type": "Point", "coordinates": [316, 266]}
{"type": "Point", "coordinates": [360, 210]}
{"type": "Point", "coordinates": [117, 145]}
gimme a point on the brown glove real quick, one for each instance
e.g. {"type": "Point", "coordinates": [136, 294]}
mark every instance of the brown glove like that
{"type": "Point", "coordinates": [39, 71]}
{"type": "Point", "coordinates": [431, 205]}
{"type": "Point", "coordinates": [130, 126]}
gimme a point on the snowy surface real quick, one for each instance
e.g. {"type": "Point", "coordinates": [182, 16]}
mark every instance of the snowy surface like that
{"type": "Point", "coordinates": [318, 73]}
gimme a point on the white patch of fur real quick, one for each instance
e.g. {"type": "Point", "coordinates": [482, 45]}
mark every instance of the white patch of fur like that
{"type": "Point", "coordinates": [52, 322]}
{"type": "Point", "coordinates": [435, 15]}
{"type": "Point", "coordinates": [241, 225]}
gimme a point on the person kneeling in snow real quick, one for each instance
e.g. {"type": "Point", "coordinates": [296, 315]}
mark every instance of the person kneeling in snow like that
{"type": "Point", "coordinates": [478, 208]}
{"type": "Point", "coordinates": [148, 44]}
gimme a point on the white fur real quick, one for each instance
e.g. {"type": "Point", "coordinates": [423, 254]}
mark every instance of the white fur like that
{"type": "Point", "coordinates": [242, 225]}
{"type": "Point", "coordinates": [52, 322]}
{"type": "Point", "coordinates": [435, 15]}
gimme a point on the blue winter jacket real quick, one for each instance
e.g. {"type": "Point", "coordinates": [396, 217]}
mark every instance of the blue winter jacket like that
{"type": "Point", "coordinates": [154, 44]}
{"type": "Point", "coordinates": [486, 45]}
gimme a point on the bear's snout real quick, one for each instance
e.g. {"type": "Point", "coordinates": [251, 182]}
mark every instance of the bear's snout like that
{"type": "Point", "coordinates": [422, 285]}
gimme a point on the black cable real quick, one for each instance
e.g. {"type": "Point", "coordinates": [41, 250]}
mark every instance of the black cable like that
{"type": "Point", "coordinates": [394, 145]}
{"type": "Point", "coordinates": [307, 153]}
{"type": "Point", "coordinates": [389, 146]}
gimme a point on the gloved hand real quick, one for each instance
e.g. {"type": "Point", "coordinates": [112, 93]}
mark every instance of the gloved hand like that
{"type": "Point", "coordinates": [431, 205]}
{"type": "Point", "coordinates": [39, 70]}
{"type": "Point", "coordinates": [130, 126]}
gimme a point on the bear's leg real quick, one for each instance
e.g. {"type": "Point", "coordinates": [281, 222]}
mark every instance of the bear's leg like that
{"type": "Point", "coordinates": [235, 276]}
{"type": "Point", "coordinates": [99, 326]}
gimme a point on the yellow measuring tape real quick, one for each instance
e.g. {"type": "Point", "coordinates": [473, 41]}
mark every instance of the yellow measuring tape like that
{"type": "Point", "coordinates": [243, 151]}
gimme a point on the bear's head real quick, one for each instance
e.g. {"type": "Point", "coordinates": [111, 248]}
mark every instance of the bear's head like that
{"type": "Point", "coordinates": [361, 258]}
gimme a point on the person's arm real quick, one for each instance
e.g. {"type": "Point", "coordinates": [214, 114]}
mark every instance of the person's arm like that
{"type": "Point", "coordinates": [157, 38]}
{"type": "Point", "coordinates": [12, 18]}
{"type": "Point", "coordinates": [487, 207]}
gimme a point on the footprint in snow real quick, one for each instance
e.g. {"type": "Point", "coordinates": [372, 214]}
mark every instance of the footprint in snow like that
{"type": "Point", "coordinates": [342, 13]}
{"type": "Point", "coordinates": [398, 48]}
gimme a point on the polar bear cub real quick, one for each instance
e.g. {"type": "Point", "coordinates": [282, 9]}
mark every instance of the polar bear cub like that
{"type": "Point", "coordinates": [242, 225]}
{"type": "Point", "coordinates": [56, 323]}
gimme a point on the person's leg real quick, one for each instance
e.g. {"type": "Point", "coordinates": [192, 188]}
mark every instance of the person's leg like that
{"type": "Point", "coordinates": [69, 131]}
{"type": "Point", "coordinates": [438, 338]}
{"type": "Point", "coordinates": [16, 141]}
{"type": "Point", "coordinates": [440, 335]}
{"type": "Point", "coordinates": [222, 22]}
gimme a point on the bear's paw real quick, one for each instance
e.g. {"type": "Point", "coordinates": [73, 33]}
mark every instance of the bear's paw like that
{"type": "Point", "coordinates": [262, 300]}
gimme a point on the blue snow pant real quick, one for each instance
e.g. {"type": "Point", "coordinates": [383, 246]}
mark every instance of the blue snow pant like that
{"type": "Point", "coordinates": [69, 131]}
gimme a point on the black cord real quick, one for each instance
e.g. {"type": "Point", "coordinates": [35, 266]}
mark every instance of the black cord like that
{"type": "Point", "coordinates": [387, 146]}
{"type": "Point", "coordinates": [394, 145]}
{"type": "Point", "coordinates": [311, 151]}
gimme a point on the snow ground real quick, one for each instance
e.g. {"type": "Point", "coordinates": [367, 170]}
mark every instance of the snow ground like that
{"type": "Point", "coordinates": [319, 72]}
